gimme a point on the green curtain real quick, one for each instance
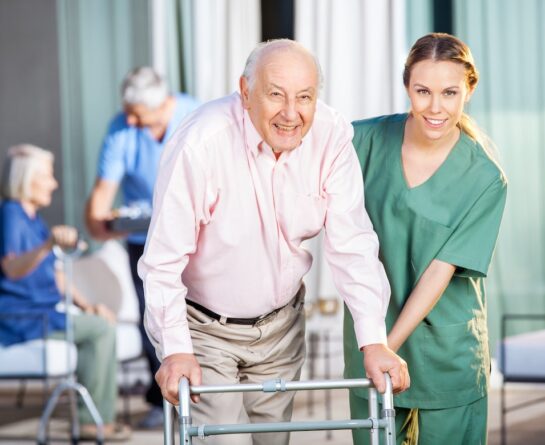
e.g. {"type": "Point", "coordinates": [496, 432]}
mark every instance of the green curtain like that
{"type": "Point", "coordinates": [507, 40]}
{"type": "Point", "coordinates": [99, 42]}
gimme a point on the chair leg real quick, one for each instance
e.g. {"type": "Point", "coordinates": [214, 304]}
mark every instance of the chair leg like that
{"type": "Point", "coordinates": [503, 432]}
{"type": "Point", "coordinates": [21, 393]}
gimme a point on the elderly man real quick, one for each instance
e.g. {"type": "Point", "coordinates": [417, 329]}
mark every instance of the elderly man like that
{"type": "Point", "coordinates": [242, 183]}
{"type": "Point", "coordinates": [130, 156]}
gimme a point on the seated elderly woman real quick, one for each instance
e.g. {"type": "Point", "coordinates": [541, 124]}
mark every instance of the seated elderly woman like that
{"type": "Point", "coordinates": [29, 282]}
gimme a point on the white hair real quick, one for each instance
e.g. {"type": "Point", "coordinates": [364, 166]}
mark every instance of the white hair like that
{"type": "Point", "coordinates": [144, 86]}
{"type": "Point", "coordinates": [20, 165]}
{"type": "Point", "coordinates": [272, 45]}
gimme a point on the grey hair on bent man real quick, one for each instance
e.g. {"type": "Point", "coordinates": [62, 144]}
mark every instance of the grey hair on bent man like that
{"type": "Point", "coordinates": [271, 45]}
{"type": "Point", "coordinates": [20, 166]}
{"type": "Point", "coordinates": [144, 86]}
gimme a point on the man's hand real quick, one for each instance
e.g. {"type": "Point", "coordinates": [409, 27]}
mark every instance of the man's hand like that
{"type": "Point", "coordinates": [380, 359]}
{"type": "Point", "coordinates": [173, 368]}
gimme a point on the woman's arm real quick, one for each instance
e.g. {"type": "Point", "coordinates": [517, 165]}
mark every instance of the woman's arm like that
{"type": "Point", "coordinates": [421, 301]}
{"type": "Point", "coordinates": [17, 266]}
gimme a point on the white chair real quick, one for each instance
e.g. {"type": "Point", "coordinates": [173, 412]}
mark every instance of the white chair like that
{"type": "Point", "coordinates": [39, 359]}
{"type": "Point", "coordinates": [104, 276]}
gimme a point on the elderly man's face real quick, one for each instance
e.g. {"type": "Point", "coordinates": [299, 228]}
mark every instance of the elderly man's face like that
{"type": "Point", "coordinates": [282, 101]}
{"type": "Point", "coordinates": [141, 116]}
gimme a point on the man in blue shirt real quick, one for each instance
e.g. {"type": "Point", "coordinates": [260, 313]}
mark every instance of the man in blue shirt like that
{"type": "Point", "coordinates": [129, 158]}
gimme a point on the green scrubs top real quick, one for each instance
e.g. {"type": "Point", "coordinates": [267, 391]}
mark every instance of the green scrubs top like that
{"type": "Point", "coordinates": [454, 217]}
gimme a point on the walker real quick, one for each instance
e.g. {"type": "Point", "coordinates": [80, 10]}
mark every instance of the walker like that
{"type": "Point", "coordinates": [374, 423]}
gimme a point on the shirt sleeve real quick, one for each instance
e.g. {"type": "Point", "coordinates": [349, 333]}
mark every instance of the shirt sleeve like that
{"type": "Point", "coordinates": [180, 207]}
{"type": "Point", "coordinates": [111, 165]}
{"type": "Point", "coordinates": [11, 235]}
{"type": "Point", "coordinates": [351, 247]}
{"type": "Point", "coordinates": [471, 245]}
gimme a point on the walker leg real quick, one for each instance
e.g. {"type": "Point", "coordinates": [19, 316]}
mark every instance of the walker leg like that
{"type": "Point", "coordinates": [373, 414]}
{"type": "Point", "coordinates": [389, 413]}
{"type": "Point", "coordinates": [168, 426]}
{"type": "Point", "coordinates": [185, 412]}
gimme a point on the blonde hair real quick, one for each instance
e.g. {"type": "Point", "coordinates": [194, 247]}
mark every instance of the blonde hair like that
{"type": "Point", "coordinates": [20, 165]}
{"type": "Point", "coordinates": [441, 47]}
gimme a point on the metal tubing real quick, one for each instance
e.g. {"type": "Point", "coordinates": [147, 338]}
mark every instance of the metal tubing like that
{"type": "Point", "coordinates": [288, 386]}
{"type": "Point", "coordinates": [275, 427]}
{"type": "Point", "coordinates": [373, 414]}
{"type": "Point", "coordinates": [91, 407]}
{"type": "Point", "coordinates": [184, 392]}
{"type": "Point", "coordinates": [187, 431]}
{"type": "Point", "coordinates": [388, 413]}
{"type": "Point", "coordinates": [168, 425]}
{"type": "Point", "coordinates": [52, 402]}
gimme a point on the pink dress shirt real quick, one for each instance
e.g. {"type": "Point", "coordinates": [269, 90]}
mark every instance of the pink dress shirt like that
{"type": "Point", "coordinates": [229, 219]}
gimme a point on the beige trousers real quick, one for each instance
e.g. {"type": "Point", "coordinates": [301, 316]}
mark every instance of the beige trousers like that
{"type": "Point", "coordinates": [232, 353]}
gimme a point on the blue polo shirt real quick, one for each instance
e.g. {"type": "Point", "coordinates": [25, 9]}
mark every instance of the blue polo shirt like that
{"type": "Point", "coordinates": [37, 292]}
{"type": "Point", "coordinates": [130, 155]}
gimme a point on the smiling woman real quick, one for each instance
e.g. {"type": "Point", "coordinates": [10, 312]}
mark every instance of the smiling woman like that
{"type": "Point", "coordinates": [436, 200]}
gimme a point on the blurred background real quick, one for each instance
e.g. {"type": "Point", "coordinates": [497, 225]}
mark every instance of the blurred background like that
{"type": "Point", "coordinates": [62, 62]}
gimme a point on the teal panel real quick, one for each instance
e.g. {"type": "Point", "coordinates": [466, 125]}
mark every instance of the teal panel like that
{"type": "Point", "coordinates": [506, 37]}
{"type": "Point", "coordinates": [99, 42]}
{"type": "Point", "coordinates": [419, 19]}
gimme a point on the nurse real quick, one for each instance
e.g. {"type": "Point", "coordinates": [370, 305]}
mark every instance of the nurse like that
{"type": "Point", "coordinates": [436, 197]}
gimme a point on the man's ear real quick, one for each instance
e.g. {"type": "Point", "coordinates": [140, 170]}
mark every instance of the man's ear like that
{"type": "Point", "coordinates": [244, 92]}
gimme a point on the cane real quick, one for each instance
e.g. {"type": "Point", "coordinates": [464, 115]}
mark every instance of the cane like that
{"type": "Point", "coordinates": [69, 383]}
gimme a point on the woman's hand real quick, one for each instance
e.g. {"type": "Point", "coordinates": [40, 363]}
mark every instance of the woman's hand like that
{"type": "Point", "coordinates": [66, 237]}
{"type": "Point", "coordinates": [105, 312]}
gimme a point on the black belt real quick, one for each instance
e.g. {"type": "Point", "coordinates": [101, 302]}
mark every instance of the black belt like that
{"type": "Point", "coordinates": [233, 320]}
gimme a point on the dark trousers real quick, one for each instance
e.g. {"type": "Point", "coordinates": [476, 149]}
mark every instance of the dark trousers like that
{"type": "Point", "coordinates": [153, 395]}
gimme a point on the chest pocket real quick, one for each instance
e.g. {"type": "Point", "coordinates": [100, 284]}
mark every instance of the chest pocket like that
{"type": "Point", "coordinates": [307, 216]}
{"type": "Point", "coordinates": [427, 239]}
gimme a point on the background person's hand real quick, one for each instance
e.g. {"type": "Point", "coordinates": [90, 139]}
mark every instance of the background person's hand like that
{"type": "Point", "coordinates": [103, 311]}
{"type": "Point", "coordinates": [66, 237]}
{"type": "Point", "coordinates": [380, 359]}
{"type": "Point", "coordinates": [173, 368]}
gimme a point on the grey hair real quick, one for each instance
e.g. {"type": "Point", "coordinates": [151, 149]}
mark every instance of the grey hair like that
{"type": "Point", "coordinates": [20, 165]}
{"type": "Point", "coordinates": [144, 86]}
{"type": "Point", "coordinates": [270, 45]}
